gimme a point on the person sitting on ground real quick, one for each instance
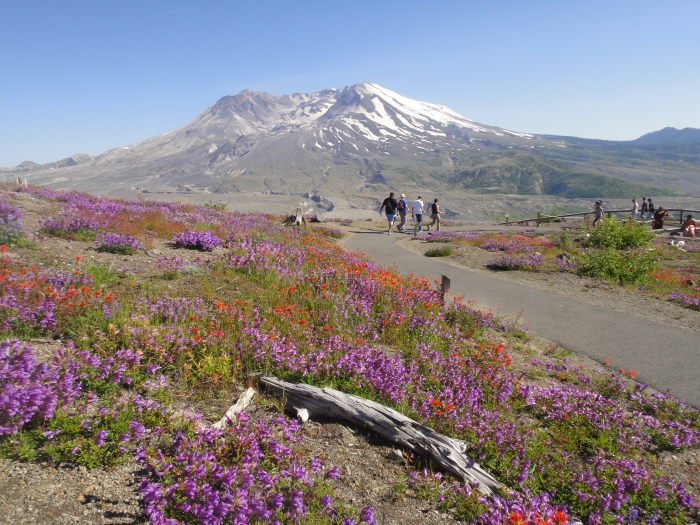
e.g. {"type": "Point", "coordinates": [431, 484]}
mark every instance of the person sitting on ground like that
{"type": "Point", "coordinates": [688, 227]}
{"type": "Point", "coordinates": [435, 210]}
{"type": "Point", "coordinates": [391, 205]}
{"type": "Point", "coordinates": [599, 213]}
{"type": "Point", "coordinates": [659, 215]}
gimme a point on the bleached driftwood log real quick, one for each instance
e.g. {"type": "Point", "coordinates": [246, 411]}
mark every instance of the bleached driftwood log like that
{"type": "Point", "coordinates": [239, 407]}
{"type": "Point", "coordinates": [446, 452]}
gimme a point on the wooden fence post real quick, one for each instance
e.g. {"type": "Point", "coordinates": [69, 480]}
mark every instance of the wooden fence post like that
{"type": "Point", "coordinates": [588, 221]}
{"type": "Point", "coordinates": [444, 288]}
{"type": "Point", "coordinates": [539, 217]}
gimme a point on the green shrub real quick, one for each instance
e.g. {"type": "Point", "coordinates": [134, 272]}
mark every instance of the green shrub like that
{"type": "Point", "coordinates": [561, 238]}
{"type": "Point", "coordinates": [216, 205]}
{"type": "Point", "coordinates": [620, 236]}
{"type": "Point", "coordinates": [625, 268]}
{"type": "Point", "coordinates": [439, 252]}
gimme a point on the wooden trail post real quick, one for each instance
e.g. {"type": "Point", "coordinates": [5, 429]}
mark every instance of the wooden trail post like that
{"type": "Point", "coordinates": [539, 218]}
{"type": "Point", "coordinates": [444, 288]}
{"type": "Point", "coordinates": [507, 218]}
{"type": "Point", "coordinates": [588, 221]}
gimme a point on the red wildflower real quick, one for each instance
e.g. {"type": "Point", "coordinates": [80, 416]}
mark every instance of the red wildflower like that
{"type": "Point", "coordinates": [558, 517]}
{"type": "Point", "coordinates": [516, 518]}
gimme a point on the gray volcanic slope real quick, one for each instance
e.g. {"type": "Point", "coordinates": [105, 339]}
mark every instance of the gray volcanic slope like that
{"type": "Point", "coordinates": [342, 148]}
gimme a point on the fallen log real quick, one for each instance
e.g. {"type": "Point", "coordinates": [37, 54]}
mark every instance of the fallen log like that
{"type": "Point", "coordinates": [237, 408]}
{"type": "Point", "coordinates": [446, 452]}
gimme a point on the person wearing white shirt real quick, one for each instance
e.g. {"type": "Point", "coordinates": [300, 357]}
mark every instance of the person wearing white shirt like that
{"type": "Point", "coordinates": [417, 210]}
{"type": "Point", "coordinates": [634, 210]}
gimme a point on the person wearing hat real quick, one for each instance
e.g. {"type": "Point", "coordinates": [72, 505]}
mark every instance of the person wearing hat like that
{"type": "Point", "coordinates": [599, 213]}
{"type": "Point", "coordinates": [659, 216]}
{"type": "Point", "coordinates": [403, 207]}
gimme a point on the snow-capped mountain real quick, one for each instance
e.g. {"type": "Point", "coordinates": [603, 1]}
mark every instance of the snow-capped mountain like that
{"type": "Point", "coordinates": [326, 120]}
{"type": "Point", "coordinates": [331, 141]}
{"type": "Point", "coordinates": [337, 147]}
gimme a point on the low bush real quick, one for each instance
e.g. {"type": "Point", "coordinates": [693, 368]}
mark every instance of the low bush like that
{"type": "Point", "coordinates": [77, 228]}
{"type": "Point", "coordinates": [216, 205]}
{"type": "Point", "coordinates": [623, 268]}
{"type": "Point", "coordinates": [195, 240]}
{"type": "Point", "coordinates": [620, 236]}
{"type": "Point", "coordinates": [117, 243]}
{"type": "Point", "coordinates": [11, 232]}
{"type": "Point", "coordinates": [516, 262]}
{"type": "Point", "coordinates": [439, 252]}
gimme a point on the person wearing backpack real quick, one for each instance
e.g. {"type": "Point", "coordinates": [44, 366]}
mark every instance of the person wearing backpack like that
{"type": "Point", "coordinates": [403, 208]}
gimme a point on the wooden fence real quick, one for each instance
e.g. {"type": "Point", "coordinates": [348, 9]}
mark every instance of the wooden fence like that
{"type": "Point", "coordinates": [587, 215]}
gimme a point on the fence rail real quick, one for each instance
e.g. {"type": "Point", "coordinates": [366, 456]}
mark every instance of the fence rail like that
{"type": "Point", "coordinates": [586, 214]}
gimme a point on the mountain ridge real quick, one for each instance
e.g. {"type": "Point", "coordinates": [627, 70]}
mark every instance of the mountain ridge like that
{"type": "Point", "coordinates": [342, 144]}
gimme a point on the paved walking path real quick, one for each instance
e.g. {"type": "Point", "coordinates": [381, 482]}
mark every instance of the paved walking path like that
{"type": "Point", "coordinates": [663, 357]}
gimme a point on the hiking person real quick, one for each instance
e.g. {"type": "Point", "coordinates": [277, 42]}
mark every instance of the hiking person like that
{"type": "Point", "coordinates": [391, 205]}
{"type": "Point", "coordinates": [634, 210]}
{"type": "Point", "coordinates": [688, 227]}
{"type": "Point", "coordinates": [435, 211]}
{"type": "Point", "coordinates": [650, 208]}
{"type": "Point", "coordinates": [417, 212]}
{"type": "Point", "coordinates": [645, 209]}
{"type": "Point", "coordinates": [402, 208]}
{"type": "Point", "coordinates": [659, 215]}
{"type": "Point", "coordinates": [599, 213]}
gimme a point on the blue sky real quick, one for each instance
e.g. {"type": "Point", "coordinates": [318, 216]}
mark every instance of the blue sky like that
{"type": "Point", "coordinates": [82, 76]}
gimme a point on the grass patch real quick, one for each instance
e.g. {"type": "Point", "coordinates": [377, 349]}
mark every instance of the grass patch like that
{"type": "Point", "coordinates": [443, 251]}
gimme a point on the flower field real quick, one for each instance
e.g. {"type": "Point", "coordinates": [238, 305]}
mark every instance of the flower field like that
{"type": "Point", "coordinates": [237, 294]}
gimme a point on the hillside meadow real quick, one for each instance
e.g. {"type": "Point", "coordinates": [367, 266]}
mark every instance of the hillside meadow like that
{"type": "Point", "coordinates": [163, 308]}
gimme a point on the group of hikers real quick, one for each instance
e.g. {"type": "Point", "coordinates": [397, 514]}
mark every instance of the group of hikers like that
{"type": "Point", "coordinates": [647, 212]}
{"type": "Point", "coordinates": [400, 207]}
{"type": "Point", "coordinates": [393, 207]}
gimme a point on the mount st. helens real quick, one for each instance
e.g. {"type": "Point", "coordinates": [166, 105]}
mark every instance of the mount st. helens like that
{"type": "Point", "coordinates": [343, 148]}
